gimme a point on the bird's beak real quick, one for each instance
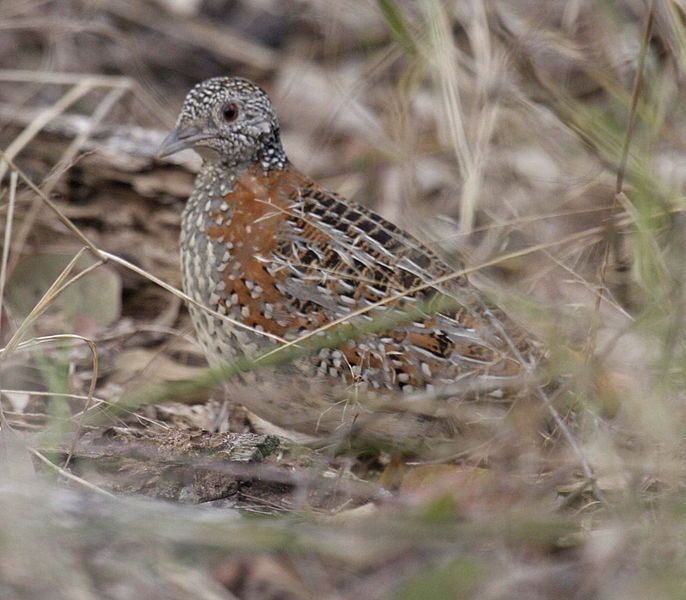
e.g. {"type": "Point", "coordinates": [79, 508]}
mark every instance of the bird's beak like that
{"type": "Point", "coordinates": [181, 138]}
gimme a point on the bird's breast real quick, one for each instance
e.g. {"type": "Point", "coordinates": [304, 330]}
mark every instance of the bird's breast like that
{"type": "Point", "coordinates": [228, 236]}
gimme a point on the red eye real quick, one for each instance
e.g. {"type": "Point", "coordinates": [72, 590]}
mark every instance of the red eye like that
{"type": "Point", "coordinates": [230, 112]}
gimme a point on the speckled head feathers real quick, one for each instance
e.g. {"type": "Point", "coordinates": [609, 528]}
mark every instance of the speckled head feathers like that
{"type": "Point", "coordinates": [229, 120]}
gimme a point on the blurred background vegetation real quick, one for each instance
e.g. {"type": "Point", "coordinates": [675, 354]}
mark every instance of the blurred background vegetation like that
{"type": "Point", "coordinates": [541, 143]}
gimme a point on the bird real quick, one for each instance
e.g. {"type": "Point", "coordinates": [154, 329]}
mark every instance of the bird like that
{"type": "Point", "coordinates": [268, 255]}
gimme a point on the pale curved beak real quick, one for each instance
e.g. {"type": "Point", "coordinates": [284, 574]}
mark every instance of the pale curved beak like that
{"type": "Point", "coordinates": [181, 138]}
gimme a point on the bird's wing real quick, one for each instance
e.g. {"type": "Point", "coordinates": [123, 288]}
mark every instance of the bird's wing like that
{"type": "Point", "coordinates": [333, 257]}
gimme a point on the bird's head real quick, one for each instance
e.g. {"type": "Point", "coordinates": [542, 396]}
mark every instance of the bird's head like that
{"type": "Point", "coordinates": [226, 119]}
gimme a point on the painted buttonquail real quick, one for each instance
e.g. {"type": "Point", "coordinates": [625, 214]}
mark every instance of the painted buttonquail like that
{"type": "Point", "coordinates": [268, 247]}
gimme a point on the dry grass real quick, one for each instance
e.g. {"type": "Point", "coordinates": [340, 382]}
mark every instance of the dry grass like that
{"type": "Point", "coordinates": [537, 144]}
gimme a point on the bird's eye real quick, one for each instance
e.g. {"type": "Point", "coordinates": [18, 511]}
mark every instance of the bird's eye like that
{"type": "Point", "coordinates": [230, 112]}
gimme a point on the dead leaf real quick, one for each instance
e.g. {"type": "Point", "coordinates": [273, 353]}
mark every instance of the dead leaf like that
{"type": "Point", "coordinates": [157, 367]}
{"type": "Point", "coordinates": [95, 299]}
